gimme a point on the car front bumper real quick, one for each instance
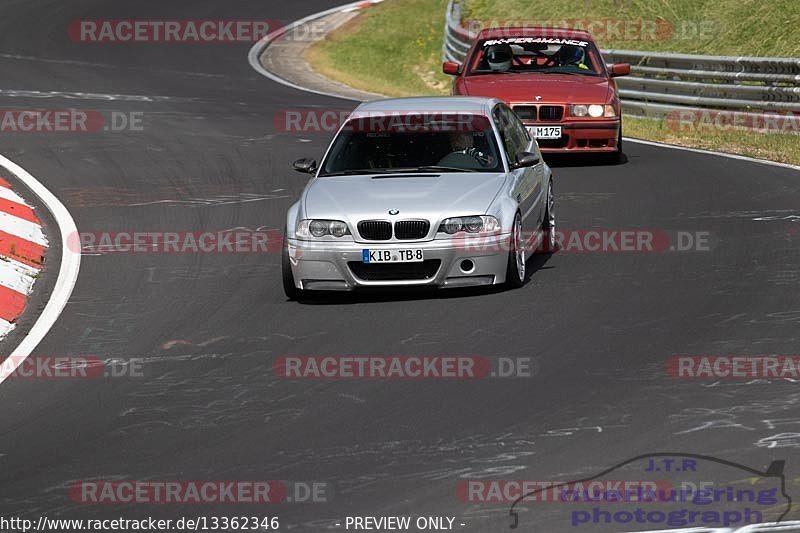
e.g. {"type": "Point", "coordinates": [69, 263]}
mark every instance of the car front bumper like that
{"type": "Point", "coordinates": [330, 265]}
{"type": "Point", "coordinates": [581, 136]}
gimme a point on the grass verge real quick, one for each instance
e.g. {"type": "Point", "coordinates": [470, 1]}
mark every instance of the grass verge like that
{"type": "Point", "coordinates": [394, 48]}
{"type": "Point", "coordinates": [784, 148]}
{"type": "Point", "coordinates": [710, 27]}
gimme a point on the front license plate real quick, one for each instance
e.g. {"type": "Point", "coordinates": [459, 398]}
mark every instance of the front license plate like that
{"type": "Point", "coordinates": [545, 132]}
{"type": "Point", "coordinates": [392, 256]}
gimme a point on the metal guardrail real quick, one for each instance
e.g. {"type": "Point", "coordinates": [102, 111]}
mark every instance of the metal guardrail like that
{"type": "Point", "coordinates": [662, 83]}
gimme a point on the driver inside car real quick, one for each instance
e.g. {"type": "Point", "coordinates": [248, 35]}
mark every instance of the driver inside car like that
{"type": "Point", "coordinates": [464, 153]}
{"type": "Point", "coordinates": [499, 57]}
{"type": "Point", "coordinates": [572, 56]}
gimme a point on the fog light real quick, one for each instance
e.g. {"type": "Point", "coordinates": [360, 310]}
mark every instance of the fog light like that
{"type": "Point", "coordinates": [467, 266]}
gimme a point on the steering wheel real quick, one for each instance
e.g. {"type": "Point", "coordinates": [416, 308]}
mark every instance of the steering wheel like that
{"type": "Point", "coordinates": [483, 160]}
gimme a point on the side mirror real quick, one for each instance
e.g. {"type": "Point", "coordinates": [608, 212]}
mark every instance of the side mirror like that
{"type": "Point", "coordinates": [306, 166]}
{"type": "Point", "coordinates": [452, 68]}
{"type": "Point", "coordinates": [525, 159]}
{"type": "Point", "coordinates": [620, 69]}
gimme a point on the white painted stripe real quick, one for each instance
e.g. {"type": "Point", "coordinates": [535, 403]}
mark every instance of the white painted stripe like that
{"type": "Point", "coordinates": [711, 152]}
{"type": "Point", "coordinates": [67, 272]}
{"type": "Point", "coordinates": [5, 329]}
{"type": "Point", "coordinates": [82, 96]}
{"type": "Point", "coordinates": [22, 228]}
{"type": "Point", "coordinates": [361, 5]}
{"type": "Point", "coordinates": [17, 279]}
{"type": "Point", "coordinates": [8, 194]}
{"type": "Point", "coordinates": [22, 268]}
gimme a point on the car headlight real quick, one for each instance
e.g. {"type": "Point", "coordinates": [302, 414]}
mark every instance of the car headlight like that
{"type": "Point", "coordinates": [321, 228]}
{"type": "Point", "coordinates": [472, 224]}
{"type": "Point", "coordinates": [593, 110]}
{"type": "Point", "coordinates": [578, 110]}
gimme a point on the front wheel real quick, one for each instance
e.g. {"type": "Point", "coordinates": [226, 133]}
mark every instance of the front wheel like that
{"type": "Point", "coordinates": [515, 271]}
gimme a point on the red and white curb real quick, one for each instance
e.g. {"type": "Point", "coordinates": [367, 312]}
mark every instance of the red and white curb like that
{"type": "Point", "coordinates": [22, 249]}
{"type": "Point", "coordinates": [26, 248]}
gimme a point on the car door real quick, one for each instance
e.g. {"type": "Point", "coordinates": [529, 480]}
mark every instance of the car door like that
{"type": "Point", "coordinates": [526, 187]}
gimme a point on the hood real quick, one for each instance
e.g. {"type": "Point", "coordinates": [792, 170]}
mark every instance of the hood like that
{"type": "Point", "coordinates": [553, 88]}
{"type": "Point", "coordinates": [428, 196]}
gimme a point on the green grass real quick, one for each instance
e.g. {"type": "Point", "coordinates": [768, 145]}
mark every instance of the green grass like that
{"type": "Point", "coordinates": [712, 27]}
{"type": "Point", "coordinates": [784, 148]}
{"type": "Point", "coordinates": [394, 48]}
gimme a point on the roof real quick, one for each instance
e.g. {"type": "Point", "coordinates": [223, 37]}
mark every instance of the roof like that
{"type": "Point", "coordinates": [432, 104]}
{"type": "Point", "coordinates": [565, 33]}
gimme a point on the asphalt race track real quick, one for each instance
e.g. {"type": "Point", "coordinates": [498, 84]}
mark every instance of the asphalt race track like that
{"type": "Point", "coordinates": [206, 327]}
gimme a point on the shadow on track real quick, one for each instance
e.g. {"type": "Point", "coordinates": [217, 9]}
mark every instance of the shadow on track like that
{"type": "Point", "coordinates": [582, 160]}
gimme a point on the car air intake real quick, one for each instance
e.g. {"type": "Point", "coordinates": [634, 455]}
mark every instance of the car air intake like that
{"type": "Point", "coordinates": [525, 112]}
{"type": "Point", "coordinates": [406, 230]}
{"type": "Point", "coordinates": [551, 112]}
{"type": "Point", "coordinates": [375, 230]}
{"type": "Point", "coordinates": [395, 271]}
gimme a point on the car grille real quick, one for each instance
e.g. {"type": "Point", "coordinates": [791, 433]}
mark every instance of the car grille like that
{"type": "Point", "coordinates": [405, 230]}
{"type": "Point", "coordinates": [551, 112]}
{"type": "Point", "coordinates": [525, 112]}
{"type": "Point", "coordinates": [375, 230]}
{"type": "Point", "coordinates": [395, 271]}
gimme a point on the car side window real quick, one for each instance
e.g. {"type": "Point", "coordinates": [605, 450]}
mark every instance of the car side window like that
{"type": "Point", "coordinates": [524, 135]}
{"type": "Point", "coordinates": [502, 127]}
{"type": "Point", "coordinates": [522, 131]}
{"type": "Point", "coordinates": [518, 129]}
{"type": "Point", "coordinates": [515, 135]}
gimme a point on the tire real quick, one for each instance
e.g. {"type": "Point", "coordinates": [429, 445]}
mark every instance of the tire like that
{"type": "Point", "coordinates": [516, 270]}
{"type": "Point", "coordinates": [292, 292]}
{"type": "Point", "coordinates": [548, 244]}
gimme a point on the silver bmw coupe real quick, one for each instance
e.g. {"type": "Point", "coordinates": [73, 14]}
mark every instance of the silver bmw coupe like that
{"type": "Point", "coordinates": [438, 191]}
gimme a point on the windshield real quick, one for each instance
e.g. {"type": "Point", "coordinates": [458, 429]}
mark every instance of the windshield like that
{"type": "Point", "coordinates": [543, 55]}
{"type": "Point", "coordinates": [414, 142]}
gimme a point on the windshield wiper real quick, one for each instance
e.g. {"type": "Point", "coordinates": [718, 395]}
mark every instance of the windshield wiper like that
{"type": "Point", "coordinates": [498, 72]}
{"type": "Point", "coordinates": [399, 170]}
{"type": "Point", "coordinates": [359, 171]}
{"type": "Point", "coordinates": [438, 168]}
